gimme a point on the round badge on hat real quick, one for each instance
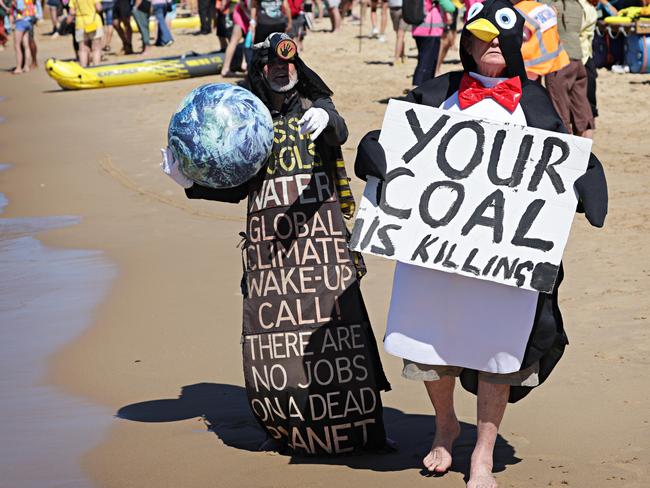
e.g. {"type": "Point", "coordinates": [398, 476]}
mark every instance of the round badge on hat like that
{"type": "Point", "coordinates": [286, 49]}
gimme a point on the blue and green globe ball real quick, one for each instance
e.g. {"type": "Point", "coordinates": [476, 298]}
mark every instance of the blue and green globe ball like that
{"type": "Point", "coordinates": [221, 135]}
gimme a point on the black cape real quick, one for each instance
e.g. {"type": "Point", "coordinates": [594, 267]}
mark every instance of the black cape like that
{"type": "Point", "coordinates": [547, 339]}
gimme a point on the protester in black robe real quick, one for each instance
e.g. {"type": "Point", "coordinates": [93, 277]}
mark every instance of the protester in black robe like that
{"type": "Point", "coordinates": [311, 364]}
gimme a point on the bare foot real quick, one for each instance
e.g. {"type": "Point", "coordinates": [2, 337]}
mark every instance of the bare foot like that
{"type": "Point", "coordinates": [480, 475]}
{"type": "Point", "coordinates": [17, 71]}
{"type": "Point", "coordinates": [439, 458]}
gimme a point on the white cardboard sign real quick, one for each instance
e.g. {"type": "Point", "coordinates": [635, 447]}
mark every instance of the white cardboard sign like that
{"type": "Point", "coordinates": [472, 196]}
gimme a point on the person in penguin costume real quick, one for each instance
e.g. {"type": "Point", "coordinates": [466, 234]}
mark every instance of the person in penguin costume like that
{"type": "Point", "coordinates": [311, 364]}
{"type": "Point", "coordinates": [492, 85]}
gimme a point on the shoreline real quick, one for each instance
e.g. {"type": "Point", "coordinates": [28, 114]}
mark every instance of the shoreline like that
{"type": "Point", "coordinates": [47, 302]}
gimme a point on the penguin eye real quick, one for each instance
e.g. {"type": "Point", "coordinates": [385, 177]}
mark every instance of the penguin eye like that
{"type": "Point", "coordinates": [474, 10]}
{"type": "Point", "coordinates": [506, 18]}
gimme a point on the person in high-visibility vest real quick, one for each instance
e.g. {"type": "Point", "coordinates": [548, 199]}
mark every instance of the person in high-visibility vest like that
{"type": "Point", "coordinates": [542, 51]}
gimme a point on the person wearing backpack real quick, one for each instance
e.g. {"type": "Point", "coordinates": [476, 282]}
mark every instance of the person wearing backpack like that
{"type": "Point", "coordinates": [427, 39]}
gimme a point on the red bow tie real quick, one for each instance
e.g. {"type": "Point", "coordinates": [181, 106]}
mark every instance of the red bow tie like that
{"type": "Point", "coordinates": [507, 93]}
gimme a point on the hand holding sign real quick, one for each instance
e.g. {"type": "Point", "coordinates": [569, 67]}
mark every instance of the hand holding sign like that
{"type": "Point", "coordinates": [471, 196]}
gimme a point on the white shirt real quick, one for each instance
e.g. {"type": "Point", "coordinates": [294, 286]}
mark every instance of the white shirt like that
{"type": "Point", "coordinates": [448, 319]}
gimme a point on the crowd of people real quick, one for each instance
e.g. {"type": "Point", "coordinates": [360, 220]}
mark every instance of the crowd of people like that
{"type": "Point", "coordinates": [90, 23]}
{"type": "Point", "coordinates": [240, 23]}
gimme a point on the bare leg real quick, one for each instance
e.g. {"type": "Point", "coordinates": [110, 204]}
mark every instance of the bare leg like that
{"type": "Point", "coordinates": [18, 46]}
{"type": "Point", "coordinates": [399, 46]}
{"type": "Point", "coordinates": [53, 18]}
{"type": "Point", "coordinates": [335, 17]}
{"type": "Point", "coordinates": [491, 404]}
{"type": "Point", "coordinates": [235, 37]}
{"type": "Point", "coordinates": [97, 51]}
{"type": "Point", "coordinates": [384, 17]}
{"type": "Point", "coordinates": [441, 393]}
{"type": "Point", "coordinates": [108, 35]}
{"type": "Point", "coordinates": [33, 50]}
{"type": "Point", "coordinates": [83, 53]}
{"type": "Point", "coordinates": [448, 40]}
{"type": "Point", "coordinates": [27, 52]}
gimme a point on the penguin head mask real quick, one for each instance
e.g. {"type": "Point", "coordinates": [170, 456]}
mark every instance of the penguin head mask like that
{"type": "Point", "coordinates": [495, 19]}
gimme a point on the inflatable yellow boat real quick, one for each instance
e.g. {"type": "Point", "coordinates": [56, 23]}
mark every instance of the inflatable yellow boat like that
{"type": "Point", "coordinates": [71, 76]}
{"type": "Point", "coordinates": [177, 23]}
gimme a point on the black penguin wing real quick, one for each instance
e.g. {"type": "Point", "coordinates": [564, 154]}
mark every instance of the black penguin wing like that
{"type": "Point", "coordinates": [436, 90]}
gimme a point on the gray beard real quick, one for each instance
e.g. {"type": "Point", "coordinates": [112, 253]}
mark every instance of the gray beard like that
{"type": "Point", "coordinates": [283, 88]}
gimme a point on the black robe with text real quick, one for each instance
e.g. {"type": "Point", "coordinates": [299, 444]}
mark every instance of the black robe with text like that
{"type": "Point", "coordinates": [311, 365]}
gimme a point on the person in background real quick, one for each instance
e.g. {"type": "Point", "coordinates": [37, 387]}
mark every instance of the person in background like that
{"type": "Point", "coordinates": [23, 17]}
{"type": "Point", "coordinates": [141, 11]}
{"type": "Point", "coordinates": [240, 28]}
{"type": "Point", "coordinates": [4, 10]}
{"type": "Point", "coordinates": [427, 39]}
{"type": "Point", "coordinates": [172, 7]}
{"type": "Point", "coordinates": [224, 23]}
{"type": "Point", "coordinates": [334, 14]}
{"type": "Point", "coordinates": [589, 19]}
{"type": "Point", "coordinates": [448, 37]}
{"type": "Point", "coordinates": [206, 14]}
{"type": "Point", "coordinates": [164, 36]}
{"type": "Point", "coordinates": [122, 22]}
{"type": "Point", "coordinates": [380, 34]}
{"type": "Point", "coordinates": [399, 26]}
{"type": "Point", "coordinates": [541, 48]}
{"type": "Point", "coordinates": [107, 18]}
{"type": "Point", "coordinates": [54, 7]}
{"type": "Point", "coordinates": [89, 31]}
{"type": "Point", "coordinates": [269, 16]}
{"type": "Point", "coordinates": [568, 86]}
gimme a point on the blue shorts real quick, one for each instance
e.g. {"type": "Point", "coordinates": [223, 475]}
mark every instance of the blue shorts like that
{"type": "Point", "coordinates": [25, 24]}
{"type": "Point", "coordinates": [107, 13]}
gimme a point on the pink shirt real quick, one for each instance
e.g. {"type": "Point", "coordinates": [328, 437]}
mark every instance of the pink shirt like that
{"type": "Point", "coordinates": [433, 26]}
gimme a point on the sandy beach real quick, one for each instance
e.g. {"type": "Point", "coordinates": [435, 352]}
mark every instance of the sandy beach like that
{"type": "Point", "coordinates": [161, 352]}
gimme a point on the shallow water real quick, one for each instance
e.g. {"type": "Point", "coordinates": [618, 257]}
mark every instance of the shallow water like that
{"type": "Point", "coordinates": [46, 299]}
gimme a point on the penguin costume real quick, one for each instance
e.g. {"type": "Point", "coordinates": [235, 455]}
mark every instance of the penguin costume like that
{"type": "Point", "coordinates": [311, 365]}
{"type": "Point", "coordinates": [517, 333]}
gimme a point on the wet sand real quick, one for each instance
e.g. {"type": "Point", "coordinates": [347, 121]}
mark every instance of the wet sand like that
{"type": "Point", "coordinates": [163, 347]}
{"type": "Point", "coordinates": [46, 299]}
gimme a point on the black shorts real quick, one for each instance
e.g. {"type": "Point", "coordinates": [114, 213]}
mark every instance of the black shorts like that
{"type": "Point", "coordinates": [298, 27]}
{"type": "Point", "coordinates": [122, 9]}
{"type": "Point", "coordinates": [262, 31]}
{"type": "Point", "coordinates": [224, 25]}
{"type": "Point", "coordinates": [452, 26]}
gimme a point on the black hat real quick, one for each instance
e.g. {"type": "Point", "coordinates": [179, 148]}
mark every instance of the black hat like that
{"type": "Point", "coordinates": [491, 19]}
{"type": "Point", "coordinates": [279, 46]}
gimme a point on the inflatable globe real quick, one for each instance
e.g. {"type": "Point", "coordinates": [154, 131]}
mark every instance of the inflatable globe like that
{"type": "Point", "coordinates": [221, 135]}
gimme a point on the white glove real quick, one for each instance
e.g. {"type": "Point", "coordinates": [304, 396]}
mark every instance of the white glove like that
{"type": "Point", "coordinates": [171, 168]}
{"type": "Point", "coordinates": [314, 121]}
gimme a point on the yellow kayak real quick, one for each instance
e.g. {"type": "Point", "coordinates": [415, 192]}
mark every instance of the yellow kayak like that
{"type": "Point", "coordinates": [71, 76]}
{"type": "Point", "coordinates": [177, 23]}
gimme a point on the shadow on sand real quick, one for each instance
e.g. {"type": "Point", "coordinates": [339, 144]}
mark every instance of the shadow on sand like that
{"type": "Point", "coordinates": [225, 411]}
